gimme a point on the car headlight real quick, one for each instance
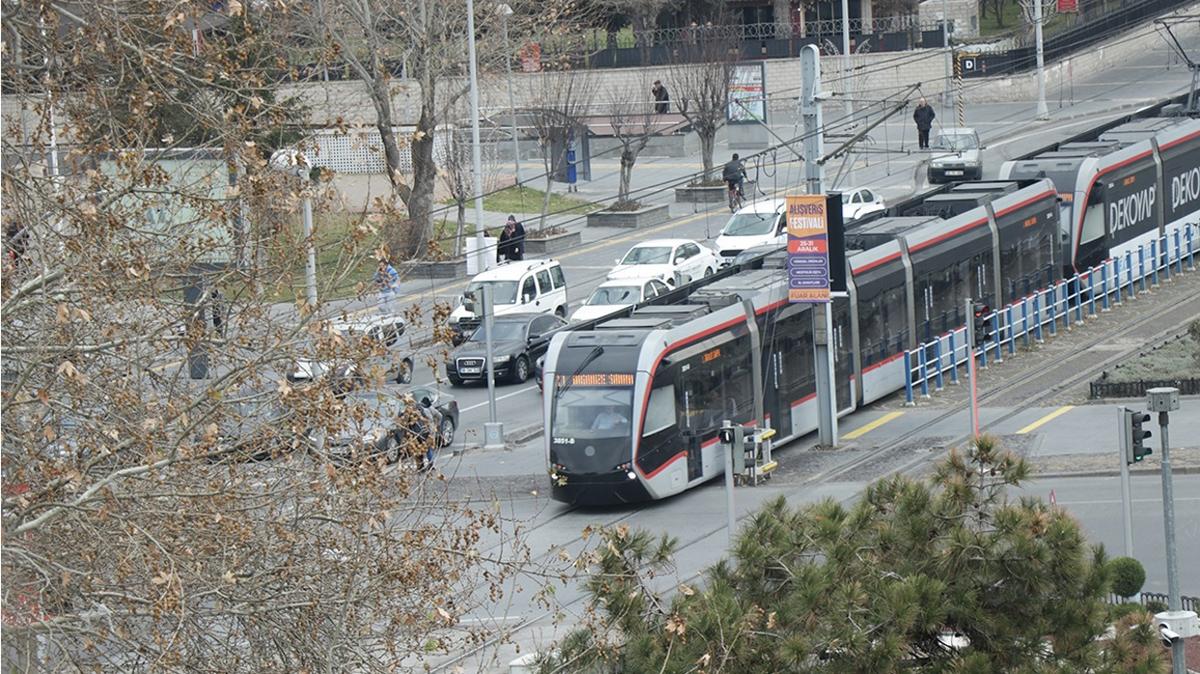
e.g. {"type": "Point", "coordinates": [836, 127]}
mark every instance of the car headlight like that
{"type": "Point", "coordinates": [500, 360]}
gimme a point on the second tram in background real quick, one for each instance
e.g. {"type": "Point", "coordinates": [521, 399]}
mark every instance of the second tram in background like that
{"type": "Point", "coordinates": [633, 401]}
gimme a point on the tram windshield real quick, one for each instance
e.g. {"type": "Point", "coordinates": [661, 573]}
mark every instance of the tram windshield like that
{"type": "Point", "coordinates": [601, 412]}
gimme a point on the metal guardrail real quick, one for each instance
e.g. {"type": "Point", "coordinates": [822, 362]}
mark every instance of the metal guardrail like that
{"type": "Point", "coordinates": [1186, 603]}
{"type": "Point", "coordinates": [1137, 389]}
{"type": "Point", "coordinates": [1033, 317]}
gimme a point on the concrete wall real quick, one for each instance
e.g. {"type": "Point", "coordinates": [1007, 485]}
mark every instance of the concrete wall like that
{"type": "Point", "coordinates": [963, 15]}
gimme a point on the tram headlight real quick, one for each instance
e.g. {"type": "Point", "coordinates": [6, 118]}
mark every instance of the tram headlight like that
{"type": "Point", "coordinates": [628, 468]}
{"type": "Point", "coordinates": [631, 475]}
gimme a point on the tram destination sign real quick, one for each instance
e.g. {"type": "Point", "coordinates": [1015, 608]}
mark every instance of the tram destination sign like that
{"type": "Point", "coordinates": [808, 248]}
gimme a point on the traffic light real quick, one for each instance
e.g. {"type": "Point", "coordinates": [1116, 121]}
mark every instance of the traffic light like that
{"type": "Point", "coordinates": [981, 324]}
{"type": "Point", "coordinates": [1135, 436]}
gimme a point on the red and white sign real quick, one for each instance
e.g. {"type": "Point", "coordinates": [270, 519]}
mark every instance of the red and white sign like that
{"type": "Point", "coordinates": [1068, 6]}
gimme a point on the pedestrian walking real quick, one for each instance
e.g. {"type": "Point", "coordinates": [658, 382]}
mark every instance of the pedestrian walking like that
{"type": "Point", "coordinates": [923, 116]}
{"type": "Point", "coordinates": [512, 241]}
{"type": "Point", "coordinates": [662, 99]}
{"type": "Point", "coordinates": [387, 282]}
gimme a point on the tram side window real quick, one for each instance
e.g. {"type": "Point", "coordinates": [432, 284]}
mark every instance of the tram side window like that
{"type": "Point", "coordinates": [1093, 216]}
{"type": "Point", "coordinates": [883, 323]}
{"type": "Point", "coordinates": [658, 430]}
{"type": "Point", "coordinates": [1011, 267]}
{"type": "Point", "coordinates": [795, 342]}
{"type": "Point", "coordinates": [716, 385]}
{"type": "Point", "coordinates": [982, 279]}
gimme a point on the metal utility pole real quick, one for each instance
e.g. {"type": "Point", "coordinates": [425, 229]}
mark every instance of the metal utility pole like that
{"type": "Point", "coordinates": [493, 430]}
{"type": "Point", "coordinates": [848, 87]}
{"type": "Point", "coordinates": [1182, 624]}
{"type": "Point", "coordinates": [505, 11]}
{"type": "Point", "coordinates": [814, 178]}
{"type": "Point", "coordinates": [1042, 111]}
{"type": "Point", "coordinates": [970, 308]}
{"type": "Point", "coordinates": [481, 255]}
{"type": "Point", "coordinates": [1126, 433]}
{"type": "Point", "coordinates": [732, 438]}
{"type": "Point", "coordinates": [946, 104]}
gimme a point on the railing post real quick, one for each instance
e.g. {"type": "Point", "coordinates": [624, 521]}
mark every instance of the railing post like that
{"type": "Point", "coordinates": [1078, 284]}
{"type": "Point", "coordinates": [982, 352]}
{"type": "Point", "coordinates": [923, 360]}
{"type": "Point", "coordinates": [1037, 318]}
{"type": "Point", "coordinates": [953, 359]}
{"type": "Point", "coordinates": [1117, 278]}
{"type": "Point", "coordinates": [1166, 256]}
{"type": "Point", "coordinates": [996, 331]}
{"type": "Point", "coordinates": [1104, 285]}
{"type": "Point", "coordinates": [1066, 310]}
{"type": "Point", "coordinates": [937, 354]}
{"type": "Point", "coordinates": [1142, 267]}
{"type": "Point", "coordinates": [1178, 253]}
{"type": "Point", "coordinates": [1191, 248]}
{"type": "Point", "coordinates": [1129, 274]}
{"type": "Point", "coordinates": [1025, 321]}
{"type": "Point", "coordinates": [1092, 291]}
{"type": "Point", "coordinates": [1154, 263]}
{"type": "Point", "coordinates": [908, 375]}
{"type": "Point", "coordinates": [1052, 309]}
{"type": "Point", "coordinates": [1012, 338]}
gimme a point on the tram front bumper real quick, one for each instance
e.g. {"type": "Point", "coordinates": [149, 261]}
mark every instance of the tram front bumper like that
{"type": "Point", "coordinates": [595, 489]}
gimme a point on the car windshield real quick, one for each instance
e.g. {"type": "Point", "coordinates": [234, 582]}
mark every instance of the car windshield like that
{"type": "Point", "coordinates": [648, 255]}
{"type": "Point", "coordinates": [749, 224]}
{"type": "Point", "coordinates": [614, 295]}
{"type": "Point", "coordinates": [503, 292]}
{"type": "Point", "coordinates": [600, 412]}
{"type": "Point", "coordinates": [957, 142]}
{"type": "Point", "coordinates": [502, 331]}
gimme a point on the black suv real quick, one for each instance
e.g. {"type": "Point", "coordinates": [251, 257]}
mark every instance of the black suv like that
{"type": "Point", "coordinates": [517, 342]}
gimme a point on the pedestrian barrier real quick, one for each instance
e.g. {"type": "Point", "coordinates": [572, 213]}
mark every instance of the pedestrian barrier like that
{"type": "Point", "coordinates": [1110, 282]}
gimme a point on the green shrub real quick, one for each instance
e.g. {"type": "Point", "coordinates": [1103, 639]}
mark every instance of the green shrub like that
{"type": "Point", "coordinates": [1155, 606]}
{"type": "Point", "coordinates": [1126, 575]}
{"type": "Point", "coordinates": [1118, 611]}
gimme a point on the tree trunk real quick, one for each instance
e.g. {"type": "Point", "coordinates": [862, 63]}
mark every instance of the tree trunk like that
{"type": "Point", "coordinates": [381, 99]}
{"type": "Point", "coordinates": [627, 160]}
{"type": "Point", "coordinates": [460, 230]}
{"type": "Point", "coordinates": [708, 141]}
{"type": "Point", "coordinates": [420, 203]}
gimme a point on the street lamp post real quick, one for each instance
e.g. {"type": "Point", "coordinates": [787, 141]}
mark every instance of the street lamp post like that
{"type": "Point", "coordinates": [946, 104]}
{"type": "Point", "coordinates": [294, 163]}
{"type": "Point", "coordinates": [505, 11]}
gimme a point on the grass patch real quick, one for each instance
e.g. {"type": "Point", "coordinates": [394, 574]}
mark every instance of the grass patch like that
{"type": "Point", "coordinates": [345, 256]}
{"type": "Point", "coordinates": [529, 200]}
{"type": "Point", "coordinates": [1178, 358]}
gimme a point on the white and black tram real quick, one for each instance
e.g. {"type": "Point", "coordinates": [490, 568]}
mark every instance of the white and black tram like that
{"type": "Point", "coordinates": [1121, 186]}
{"type": "Point", "coordinates": [633, 401]}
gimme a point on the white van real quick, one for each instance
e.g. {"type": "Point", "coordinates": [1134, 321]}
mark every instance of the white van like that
{"type": "Point", "coordinates": [758, 224]}
{"type": "Point", "coordinates": [527, 286]}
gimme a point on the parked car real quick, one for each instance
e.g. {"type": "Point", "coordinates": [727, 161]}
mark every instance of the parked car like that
{"type": "Point", "coordinates": [613, 295]}
{"type": "Point", "coordinates": [957, 155]}
{"type": "Point", "coordinates": [761, 223]}
{"type": "Point", "coordinates": [528, 286]}
{"type": "Point", "coordinates": [672, 261]}
{"type": "Point", "coordinates": [517, 342]}
{"type": "Point", "coordinates": [385, 352]}
{"type": "Point", "coordinates": [254, 426]}
{"type": "Point", "coordinates": [381, 423]}
{"type": "Point", "coordinates": [860, 202]}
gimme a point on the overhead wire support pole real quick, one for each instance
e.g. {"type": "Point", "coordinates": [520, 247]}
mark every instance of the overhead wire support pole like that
{"type": "Point", "coordinates": [946, 46]}
{"type": "Point", "coordinates": [870, 127]}
{"type": "Point", "coordinates": [814, 179]}
{"type": "Point", "coordinates": [1042, 111]}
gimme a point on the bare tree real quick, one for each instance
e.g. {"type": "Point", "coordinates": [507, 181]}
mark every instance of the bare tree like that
{"type": "Point", "coordinates": [559, 99]}
{"type": "Point", "coordinates": [633, 124]}
{"type": "Point", "coordinates": [157, 521]}
{"type": "Point", "coordinates": [456, 174]}
{"type": "Point", "coordinates": [699, 81]}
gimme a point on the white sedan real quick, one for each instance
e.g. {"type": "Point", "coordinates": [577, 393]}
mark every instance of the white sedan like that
{"type": "Point", "coordinates": [857, 203]}
{"type": "Point", "coordinates": [613, 295]}
{"type": "Point", "coordinates": [672, 261]}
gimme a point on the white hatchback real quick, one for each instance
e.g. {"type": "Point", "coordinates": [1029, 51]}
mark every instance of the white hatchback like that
{"type": "Point", "coordinates": [673, 261]}
{"type": "Point", "coordinates": [761, 223]}
{"type": "Point", "coordinates": [613, 295]}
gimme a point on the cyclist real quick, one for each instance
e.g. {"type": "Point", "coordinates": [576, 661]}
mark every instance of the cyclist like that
{"type": "Point", "coordinates": [733, 174]}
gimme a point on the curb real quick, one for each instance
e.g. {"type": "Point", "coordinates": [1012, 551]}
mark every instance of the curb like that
{"type": "Point", "coordinates": [517, 436]}
{"type": "Point", "coordinates": [1182, 470]}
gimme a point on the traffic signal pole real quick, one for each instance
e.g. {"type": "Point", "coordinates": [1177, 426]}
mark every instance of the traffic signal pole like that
{"type": "Point", "coordinates": [1125, 432]}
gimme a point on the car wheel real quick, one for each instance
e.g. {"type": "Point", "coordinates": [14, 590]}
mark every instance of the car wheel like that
{"type": "Point", "coordinates": [446, 432]}
{"type": "Point", "coordinates": [404, 373]}
{"type": "Point", "coordinates": [561, 312]}
{"type": "Point", "coordinates": [708, 271]}
{"type": "Point", "coordinates": [521, 370]}
{"type": "Point", "coordinates": [455, 380]}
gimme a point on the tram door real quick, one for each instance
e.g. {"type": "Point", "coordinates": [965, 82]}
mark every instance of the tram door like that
{"type": "Point", "coordinates": [775, 402]}
{"type": "Point", "coordinates": [843, 356]}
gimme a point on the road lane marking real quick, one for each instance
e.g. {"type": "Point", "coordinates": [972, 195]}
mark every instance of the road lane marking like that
{"type": "Point", "coordinates": [867, 428]}
{"type": "Point", "coordinates": [498, 398]}
{"type": "Point", "coordinates": [1046, 419]}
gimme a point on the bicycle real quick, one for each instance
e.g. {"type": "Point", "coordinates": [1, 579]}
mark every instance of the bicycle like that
{"type": "Point", "coordinates": [737, 198]}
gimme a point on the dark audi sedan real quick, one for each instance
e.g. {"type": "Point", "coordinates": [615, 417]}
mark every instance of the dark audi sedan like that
{"type": "Point", "coordinates": [517, 343]}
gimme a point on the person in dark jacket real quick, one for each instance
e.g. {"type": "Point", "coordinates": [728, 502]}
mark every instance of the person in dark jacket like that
{"type": "Point", "coordinates": [923, 116]}
{"type": "Point", "coordinates": [662, 104]}
{"type": "Point", "coordinates": [512, 241]}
